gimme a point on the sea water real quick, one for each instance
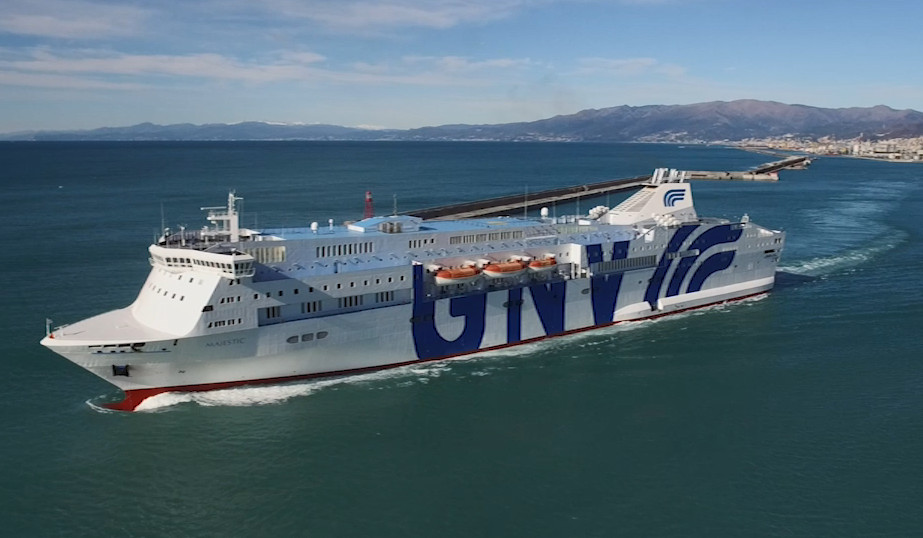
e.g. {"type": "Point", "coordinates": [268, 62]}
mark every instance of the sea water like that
{"type": "Point", "coordinates": [796, 414]}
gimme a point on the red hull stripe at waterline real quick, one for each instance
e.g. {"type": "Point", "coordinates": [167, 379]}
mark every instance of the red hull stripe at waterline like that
{"type": "Point", "coordinates": [133, 398]}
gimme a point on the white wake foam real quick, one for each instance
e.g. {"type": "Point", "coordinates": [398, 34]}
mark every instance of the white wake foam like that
{"type": "Point", "coordinates": [235, 397]}
{"type": "Point", "coordinates": [94, 404]}
{"type": "Point", "coordinates": [254, 395]}
{"type": "Point", "coordinates": [845, 260]}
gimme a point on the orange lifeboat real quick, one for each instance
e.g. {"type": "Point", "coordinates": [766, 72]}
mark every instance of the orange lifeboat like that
{"type": "Point", "coordinates": [504, 269]}
{"type": "Point", "coordinates": [542, 265]}
{"type": "Point", "coordinates": [459, 275]}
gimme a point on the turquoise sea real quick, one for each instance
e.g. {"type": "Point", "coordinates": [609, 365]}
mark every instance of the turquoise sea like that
{"type": "Point", "coordinates": [797, 414]}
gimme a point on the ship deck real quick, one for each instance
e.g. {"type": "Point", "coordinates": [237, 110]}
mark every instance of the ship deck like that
{"type": "Point", "coordinates": [341, 231]}
{"type": "Point", "coordinates": [117, 326]}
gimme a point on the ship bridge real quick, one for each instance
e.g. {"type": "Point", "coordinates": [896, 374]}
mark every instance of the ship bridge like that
{"type": "Point", "coordinates": [225, 262]}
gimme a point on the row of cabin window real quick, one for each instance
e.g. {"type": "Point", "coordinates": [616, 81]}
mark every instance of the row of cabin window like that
{"type": "Point", "coordinates": [479, 238]}
{"type": "Point", "coordinates": [280, 293]}
{"type": "Point", "coordinates": [365, 282]}
{"type": "Point", "coordinates": [757, 234]}
{"type": "Point", "coordinates": [350, 301]}
{"type": "Point", "coordinates": [161, 291]}
{"type": "Point", "coordinates": [326, 287]}
{"type": "Point", "coordinates": [417, 243]}
{"type": "Point", "coordinates": [311, 307]}
{"type": "Point", "coordinates": [339, 285]}
{"type": "Point", "coordinates": [647, 247]}
{"type": "Point", "coordinates": [344, 249]}
{"type": "Point", "coordinates": [223, 322]}
{"type": "Point", "coordinates": [384, 296]}
{"type": "Point", "coordinates": [682, 254]}
{"type": "Point", "coordinates": [309, 337]}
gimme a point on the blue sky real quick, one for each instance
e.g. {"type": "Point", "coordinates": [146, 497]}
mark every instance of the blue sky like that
{"type": "Point", "coordinates": [67, 64]}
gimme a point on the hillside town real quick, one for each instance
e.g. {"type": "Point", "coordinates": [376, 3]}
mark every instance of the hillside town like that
{"type": "Point", "coordinates": [895, 149]}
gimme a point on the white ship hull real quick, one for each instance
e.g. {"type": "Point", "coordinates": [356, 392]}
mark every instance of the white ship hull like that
{"type": "Point", "coordinates": [199, 328]}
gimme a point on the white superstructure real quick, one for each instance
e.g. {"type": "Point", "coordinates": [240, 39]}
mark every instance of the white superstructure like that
{"type": "Point", "coordinates": [225, 306]}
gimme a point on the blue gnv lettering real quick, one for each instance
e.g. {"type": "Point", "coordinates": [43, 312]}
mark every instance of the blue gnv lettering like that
{"type": "Point", "coordinates": [653, 288]}
{"type": "Point", "coordinates": [514, 316]}
{"type": "Point", "coordinates": [604, 289]}
{"type": "Point", "coordinates": [549, 304]}
{"type": "Point", "coordinates": [707, 239]}
{"type": "Point", "coordinates": [427, 341]}
{"type": "Point", "coordinates": [548, 299]}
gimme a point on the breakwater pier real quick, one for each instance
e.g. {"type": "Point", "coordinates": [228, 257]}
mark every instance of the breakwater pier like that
{"type": "Point", "coordinates": [517, 203]}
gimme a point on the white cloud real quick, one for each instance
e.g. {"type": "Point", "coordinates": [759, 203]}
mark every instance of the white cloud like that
{"type": "Point", "coordinates": [288, 66]}
{"type": "Point", "coordinates": [459, 64]}
{"type": "Point", "coordinates": [54, 81]}
{"type": "Point", "coordinates": [391, 14]}
{"type": "Point", "coordinates": [87, 68]}
{"type": "Point", "coordinates": [625, 67]}
{"type": "Point", "coordinates": [304, 58]}
{"type": "Point", "coordinates": [375, 15]}
{"type": "Point", "coordinates": [71, 19]}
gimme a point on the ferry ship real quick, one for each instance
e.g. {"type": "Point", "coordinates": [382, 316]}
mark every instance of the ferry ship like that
{"type": "Point", "coordinates": [225, 306]}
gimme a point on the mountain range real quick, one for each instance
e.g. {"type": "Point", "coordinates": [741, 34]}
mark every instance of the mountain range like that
{"type": "Point", "coordinates": [718, 121]}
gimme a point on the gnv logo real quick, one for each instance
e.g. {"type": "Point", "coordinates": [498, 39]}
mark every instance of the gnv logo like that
{"type": "Point", "coordinates": [673, 196]}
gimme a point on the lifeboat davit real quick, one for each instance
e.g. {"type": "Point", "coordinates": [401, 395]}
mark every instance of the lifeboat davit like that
{"type": "Point", "coordinates": [504, 269]}
{"type": "Point", "coordinates": [542, 265]}
{"type": "Point", "coordinates": [459, 275]}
